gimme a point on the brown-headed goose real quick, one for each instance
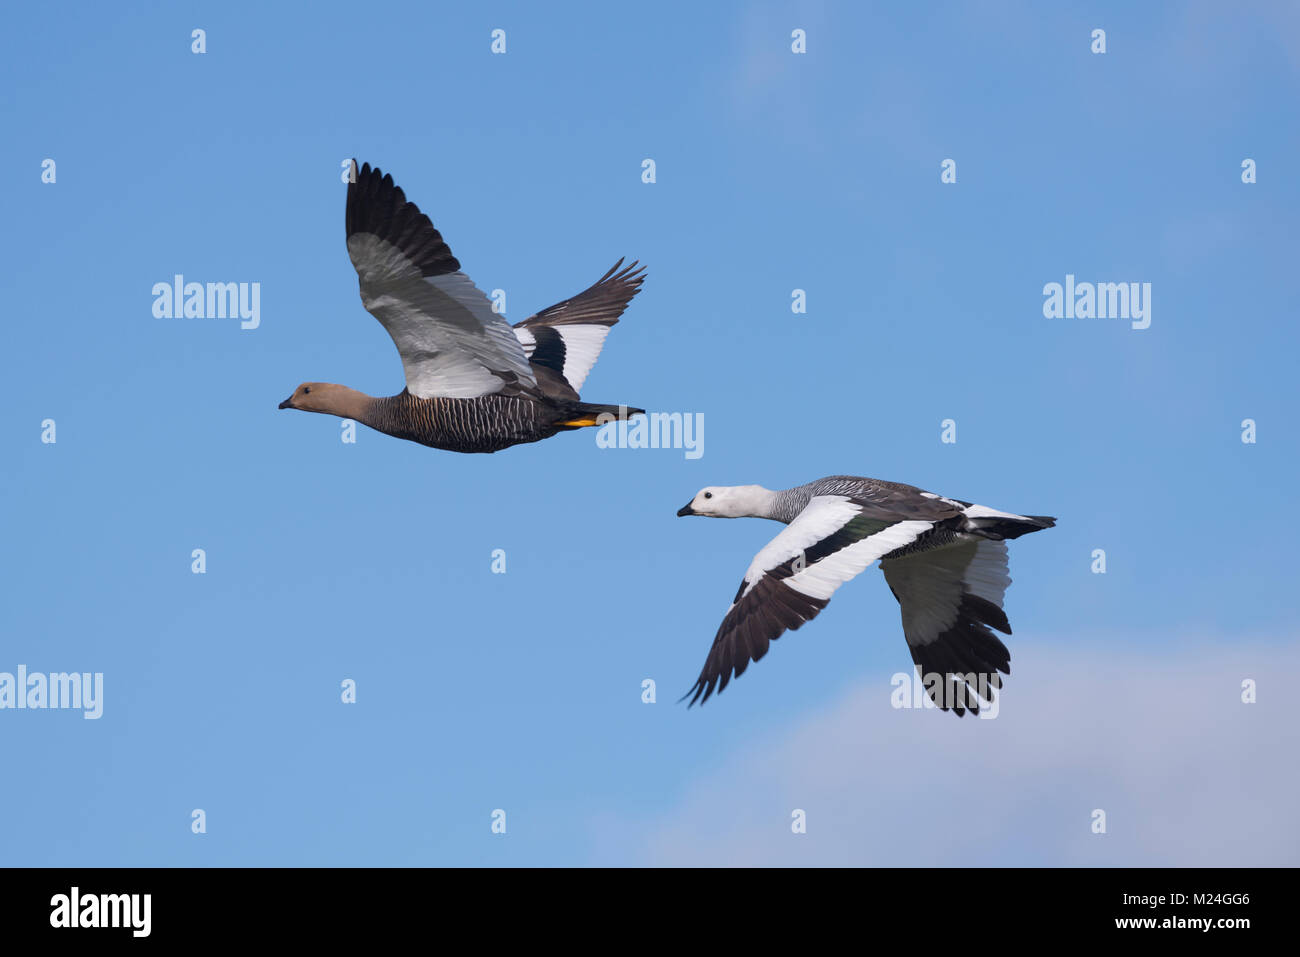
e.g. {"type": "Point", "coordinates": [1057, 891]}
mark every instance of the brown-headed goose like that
{"type": "Point", "coordinates": [473, 382]}
{"type": "Point", "coordinates": [945, 561]}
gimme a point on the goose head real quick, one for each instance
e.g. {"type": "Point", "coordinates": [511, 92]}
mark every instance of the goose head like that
{"type": "Point", "coordinates": [727, 501]}
{"type": "Point", "coordinates": [326, 397]}
{"type": "Point", "coordinates": [306, 397]}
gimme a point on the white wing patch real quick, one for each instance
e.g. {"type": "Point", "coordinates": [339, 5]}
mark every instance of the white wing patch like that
{"type": "Point", "coordinates": [582, 345]}
{"type": "Point", "coordinates": [823, 517]}
{"type": "Point", "coordinates": [821, 579]}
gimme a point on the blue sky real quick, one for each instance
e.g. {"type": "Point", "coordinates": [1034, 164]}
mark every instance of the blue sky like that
{"type": "Point", "coordinates": [774, 172]}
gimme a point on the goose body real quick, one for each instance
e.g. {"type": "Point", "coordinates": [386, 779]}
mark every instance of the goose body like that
{"type": "Point", "coordinates": [474, 383]}
{"type": "Point", "coordinates": [945, 561]}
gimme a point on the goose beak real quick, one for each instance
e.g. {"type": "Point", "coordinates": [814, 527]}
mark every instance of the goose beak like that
{"type": "Point", "coordinates": [685, 510]}
{"type": "Point", "coordinates": [286, 404]}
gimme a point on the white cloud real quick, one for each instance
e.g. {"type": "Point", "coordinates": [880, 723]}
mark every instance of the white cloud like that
{"type": "Point", "coordinates": [1159, 738]}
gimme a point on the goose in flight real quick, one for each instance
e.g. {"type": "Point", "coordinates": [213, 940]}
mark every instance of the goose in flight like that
{"type": "Point", "coordinates": [945, 561]}
{"type": "Point", "coordinates": [473, 382]}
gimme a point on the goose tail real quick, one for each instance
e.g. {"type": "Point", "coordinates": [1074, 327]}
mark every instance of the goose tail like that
{"type": "Point", "coordinates": [1000, 525]}
{"type": "Point", "coordinates": [577, 415]}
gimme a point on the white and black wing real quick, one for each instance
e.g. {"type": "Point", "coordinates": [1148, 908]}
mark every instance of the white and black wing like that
{"type": "Point", "coordinates": [793, 577]}
{"type": "Point", "coordinates": [950, 598]}
{"type": "Point", "coordinates": [451, 342]}
{"type": "Point", "coordinates": [567, 337]}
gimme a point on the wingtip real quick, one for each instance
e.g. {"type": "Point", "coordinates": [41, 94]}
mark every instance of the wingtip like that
{"type": "Point", "coordinates": [694, 694]}
{"type": "Point", "coordinates": [633, 273]}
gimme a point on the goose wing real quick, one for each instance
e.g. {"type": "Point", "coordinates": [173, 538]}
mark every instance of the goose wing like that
{"type": "Point", "coordinates": [567, 337]}
{"type": "Point", "coordinates": [950, 597]}
{"type": "Point", "coordinates": [451, 342]}
{"type": "Point", "coordinates": [793, 577]}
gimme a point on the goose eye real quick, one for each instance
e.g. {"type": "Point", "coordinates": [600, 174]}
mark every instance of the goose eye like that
{"type": "Point", "coordinates": [708, 495]}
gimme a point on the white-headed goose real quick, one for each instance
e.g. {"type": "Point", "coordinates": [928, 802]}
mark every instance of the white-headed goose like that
{"type": "Point", "coordinates": [945, 561]}
{"type": "Point", "coordinates": [473, 382]}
